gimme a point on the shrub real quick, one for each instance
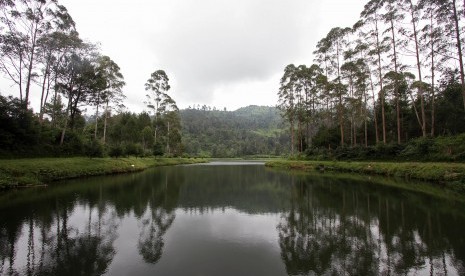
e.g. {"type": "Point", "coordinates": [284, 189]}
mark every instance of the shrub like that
{"type": "Point", "coordinates": [93, 148]}
{"type": "Point", "coordinates": [158, 149]}
{"type": "Point", "coordinates": [116, 151]}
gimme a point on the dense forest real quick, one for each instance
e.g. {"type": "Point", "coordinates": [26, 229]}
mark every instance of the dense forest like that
{"type": "Point", "coordinates": [396, 75]}
{"type": "Point", "coordinates": [252, 130]}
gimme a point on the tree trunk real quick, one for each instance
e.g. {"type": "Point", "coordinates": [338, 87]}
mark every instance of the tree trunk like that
{"type": "Point", "coordinates": [96, 115]}
{"type": "Point", "coordinates": [43, 98]}
{"type": "Point", "coordinates": [63, 132]}
{"type": "Point", "coordinates": [168, 139]}
{"type": "Point", "coordinates": [105, 123]}
{"type": "Point", "coordinates": [383, 118]}
{"type": "Point", "coordinates": [420, 89]}
{"type": "Point", "coordinates": [433, 108]}
{"type": "Point", "coordinates": [365, 117]}
{"type": "Point", "coordinates": [375, 114]}
{"type": "Point", "coordinates": [292, 137]}
{"type": "Point", "coordinates": [30, 66]}
{"type": "Point", "coordinates": [396, 85]}
{"type": "Point", "coordinates": [459, 50]}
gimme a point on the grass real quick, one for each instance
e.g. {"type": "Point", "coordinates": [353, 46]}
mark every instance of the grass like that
{"type": "Point", "coordinates": [451, 175]}
{"type": "Point", "coordinates": [41, 171]}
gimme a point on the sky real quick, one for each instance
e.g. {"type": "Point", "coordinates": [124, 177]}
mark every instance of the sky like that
{"type": "Point", "coordinates": [215, 52]}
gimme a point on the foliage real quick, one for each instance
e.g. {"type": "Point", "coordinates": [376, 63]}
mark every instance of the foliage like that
{"type": "Point", "coordinates": [157, 149]}
{"type": "Point", "coordinates": [361, 93]}
{"type": "Point", "coordinates": [93, 148]}
{"type": "Point", "coordinates": [133, 150]}
{"type": "Point", "coordinates": [247, 131]}
{"type": "Point", "coordinates": [116, 151]}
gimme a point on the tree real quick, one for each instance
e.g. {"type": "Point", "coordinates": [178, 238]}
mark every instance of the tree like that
{"type": "Point", "coordinates": [370, 15]}
{"type": "Point", "coordinates": [391, 16]}
{"type": "Point", "coordinates": [111, 92]}
{"type": "Point", "coordinates": [24, 24]}
{"type": "Point", "coordinates": [157, 98]}
{"type": "Point", "coordinates": [78, 80]}
{"type": "Point", "coordinates": [287, 99]}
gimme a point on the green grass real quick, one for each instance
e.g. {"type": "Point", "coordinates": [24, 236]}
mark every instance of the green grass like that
{"type": "Point", "coordinates": [450, 174]}
{"type": "Point", "coordinates": [41, 171]}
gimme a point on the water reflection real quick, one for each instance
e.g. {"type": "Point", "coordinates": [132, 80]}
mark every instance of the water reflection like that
{"type": "Point", "coordinates": [229, 220]}
{"type": "Point", "coordinates": [71, 229]}
{"type": "Point", "coordinates": [341, 228]}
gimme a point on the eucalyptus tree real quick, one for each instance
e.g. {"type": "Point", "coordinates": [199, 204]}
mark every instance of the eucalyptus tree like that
{"type": "Point", "coordinates": [287, 99]}
{"type": "Point", "coordinates": [435, 47]}
{"type": "Point", "coordinates": [392, 16]}
{"type": "Point", "coordinates": [157, 86]}
{"type": "Point", "coordinates": [372, 18]}
{"type": "Point", "coordinates": [316, 83]}
{"type": "Point", "coordinates": [52, 49]}
{"type": "Point", "coordinates": [355, 73]}
{"type": "Point", "coordinates": [111, 92]}
{"type": "Point", "coordinates": [78, 80]}
{"type": "Point", "coordinates": [455, 17]}
{"type": "Point", "coordinates": [23, 24]}
{"type": "Point", "coordinates": [448, 16]}
{"type": "Point", "coordinates": [331, 49]}
{"type": "Point", "coordinates": [413, 34]}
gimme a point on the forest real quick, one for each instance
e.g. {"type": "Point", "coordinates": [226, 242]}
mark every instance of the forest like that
{"type": "Point", "coordinates": [254, 131]}
{"type": "Point", "coordinates": [41, 52]}
{"type": "Point", "coordinates": [391, 85]}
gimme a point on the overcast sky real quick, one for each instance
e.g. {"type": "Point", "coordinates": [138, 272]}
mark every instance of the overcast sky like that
{"type": "Point", "coordinates": [216, 52]}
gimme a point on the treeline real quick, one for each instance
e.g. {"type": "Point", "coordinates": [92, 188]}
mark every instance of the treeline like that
{"type": "Point", "coordinates": [252, 130]}
{"type": "Point", "coordinates": [394, 76]}
{"type": "Point", "coordinates": [41, 51]}
{"type": "Point", "coordinates": [23, 135]}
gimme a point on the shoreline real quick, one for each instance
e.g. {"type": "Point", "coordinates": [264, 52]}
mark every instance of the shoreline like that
{"type": "Point", "coordinates": [35, 172]}
{"type": "Point", "coordinates": [448, 175]}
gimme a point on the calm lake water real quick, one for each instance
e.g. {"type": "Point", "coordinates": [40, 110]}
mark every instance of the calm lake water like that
{"type": "Point", "coordinates": [229, 219]}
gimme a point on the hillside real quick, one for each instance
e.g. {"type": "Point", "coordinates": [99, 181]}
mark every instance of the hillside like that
{"type": "Point", "coordinates": [251, 130]}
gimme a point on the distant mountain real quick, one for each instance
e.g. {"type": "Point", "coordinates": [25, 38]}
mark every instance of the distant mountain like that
{"type": "Point", "coordinates": [251, 130]}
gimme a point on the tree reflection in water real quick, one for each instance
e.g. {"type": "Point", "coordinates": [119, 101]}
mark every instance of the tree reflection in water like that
{"type": "Point", "coordinates": [71, 229]}
{"type": "Point", "coordinates": [329, 224]}
{"type": "Point", "coordinates": [159, 215]}
{"type": "Point", "coordinates": [335, 228]}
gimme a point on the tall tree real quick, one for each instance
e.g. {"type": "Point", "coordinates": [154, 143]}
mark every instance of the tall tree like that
{"type": "Point", "coordinates": [371, 16]}
{"type": "Point", "coordinates": [158, 99]}
{"type": "Point", "coordinates": [331, 47]}
{"type": "Point", "coordinates": [414, 35]}
{"type": "Point", "coordinates": [24, 23]}
{"type": "Point", "coordinates": [287, 99]}
{"type": "Point", "coordinates": [78, 81]}
{"type": "Point", "coordinates": [109, 71]}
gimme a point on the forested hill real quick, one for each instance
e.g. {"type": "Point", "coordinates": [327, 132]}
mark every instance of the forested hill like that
{"type": "Point", "coordinates": [251, 130]}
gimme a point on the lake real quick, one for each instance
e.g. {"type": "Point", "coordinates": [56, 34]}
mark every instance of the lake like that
{"type": "Point", "coordinates": [229, 218]}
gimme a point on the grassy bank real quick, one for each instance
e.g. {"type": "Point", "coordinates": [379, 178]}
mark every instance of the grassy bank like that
{"type": "Point", "coordinates": [41, 171]}
{"type": "Point", "coordinates": [450, 174]}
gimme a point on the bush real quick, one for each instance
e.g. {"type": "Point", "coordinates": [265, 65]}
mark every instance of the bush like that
{"type": "Point", "coordinates": [158, 149]}
{"type": "Point", "coordinates": [116, 151]}
{"type": "Point", "coordinates": [72, 144]}
{"type": "Point", "coordinates": [93, 148]}
{"type": "Point", "coordinates": [134, 150]}
{"type": "Point", "coordinates": [419, 148]}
